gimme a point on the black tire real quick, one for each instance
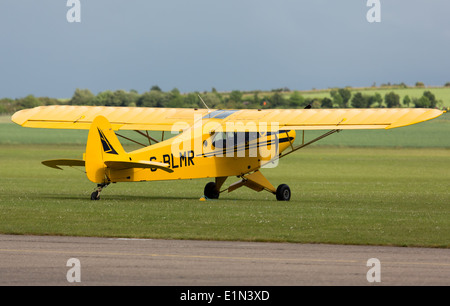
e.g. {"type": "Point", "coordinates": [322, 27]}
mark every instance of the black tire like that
{"type": "Point", "coordinates": [95, 196]}
{"type": "Point", "coordinates": [210, 191]}
{"type": "Point", "coordinates": [283, 193]}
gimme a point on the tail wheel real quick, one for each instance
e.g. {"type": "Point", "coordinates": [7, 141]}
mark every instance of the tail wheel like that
{"type": "Point", "coordinates": [95, 195]}
{"type": "Point", "coordinates": [210, 191]}
{"type": "Point", "coordinates": [283, 193]}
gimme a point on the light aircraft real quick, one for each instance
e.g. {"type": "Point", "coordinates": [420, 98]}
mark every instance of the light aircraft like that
{"type": "Point", "coordinates": [212, 144]}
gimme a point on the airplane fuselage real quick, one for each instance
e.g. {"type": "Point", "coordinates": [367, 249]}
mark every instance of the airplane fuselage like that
{"type": "Point", "coordinates": [196, 154]}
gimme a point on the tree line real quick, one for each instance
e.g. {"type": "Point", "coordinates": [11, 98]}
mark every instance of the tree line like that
{"type": "Point", "coordinates": [277, 98]}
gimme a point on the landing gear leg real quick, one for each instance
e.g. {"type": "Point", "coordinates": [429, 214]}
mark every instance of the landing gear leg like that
{"type": "Point", "coordinates": [95, 196]}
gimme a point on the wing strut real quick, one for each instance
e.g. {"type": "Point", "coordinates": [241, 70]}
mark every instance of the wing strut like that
{"type": "Point", "coordinates": [310, 142]}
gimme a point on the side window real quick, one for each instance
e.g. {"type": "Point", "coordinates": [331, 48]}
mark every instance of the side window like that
{"type": "Point", "coordinates": [245, 137]}
{"type": "Point", "coordinates": [219, 140]}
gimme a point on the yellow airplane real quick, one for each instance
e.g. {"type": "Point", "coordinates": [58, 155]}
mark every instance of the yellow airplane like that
{"type": "Point", "coordinates": [210, 143]}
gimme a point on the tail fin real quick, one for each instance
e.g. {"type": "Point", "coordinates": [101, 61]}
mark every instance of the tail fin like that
{"type": "Point", "coordinates": [105, 154]}
{"type": "Point", "coordinates": [102, 145]}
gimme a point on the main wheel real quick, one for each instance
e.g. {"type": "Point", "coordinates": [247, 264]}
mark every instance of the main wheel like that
{"type": "Point", "coordinates": [283, 193]}
{"type": "Point", "coordinates": [210, 191]}
{"type": "Point", "coordinates": [95, 196]}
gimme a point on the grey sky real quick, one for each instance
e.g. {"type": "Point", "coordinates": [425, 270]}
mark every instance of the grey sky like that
{"type": "Point", "coordinates": [226, 44]}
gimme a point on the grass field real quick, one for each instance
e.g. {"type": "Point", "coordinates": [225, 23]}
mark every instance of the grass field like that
{"type": "Point", "coordinates": [383, 195]}
{"type": "Point", "coordinates": [441, 93]}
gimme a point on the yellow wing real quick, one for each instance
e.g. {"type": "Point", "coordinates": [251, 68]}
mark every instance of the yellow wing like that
{"type": "Point", "coordinates": [121, 118]}
{"type": "Point", "coordinates": [328, 119]}
{"type": "Point", "coordinates": [163, 119]}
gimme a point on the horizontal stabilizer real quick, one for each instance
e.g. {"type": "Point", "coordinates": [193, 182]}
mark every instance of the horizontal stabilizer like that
{"type": "Point", "coordinates": [55, 163]}
{"type": "Point", "coordinates": [143, 164]}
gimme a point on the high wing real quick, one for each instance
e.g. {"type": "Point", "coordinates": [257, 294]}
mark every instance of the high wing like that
{"type": "Point", "coordinates": [163, 119]}
{"type": "Point", "coordinates": [328, 119]}
{"type": "Point", "coordinates": [121, 118]}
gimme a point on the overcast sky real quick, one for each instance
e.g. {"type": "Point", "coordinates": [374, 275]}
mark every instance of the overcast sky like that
{"type": "Point", "coordinates": [195, 45]}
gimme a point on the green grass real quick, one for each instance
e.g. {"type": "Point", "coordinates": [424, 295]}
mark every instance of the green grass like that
{"type": "Point", "coordinates": [441, 93]}
{"type": "Point", "coordinates": [434, 133]}
{"type": "Point", "coordinates": [374, 195]}
{"type": "Point", "coordinates": [340, 195]}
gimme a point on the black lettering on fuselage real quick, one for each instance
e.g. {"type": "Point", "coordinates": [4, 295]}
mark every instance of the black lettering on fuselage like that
{"type": "Point", "coordinates": [186, 159]}
{"type": "Point", "coordinates": [183, 159]}
{"type": "Point", "coordinates": [191, 158]}
{"type": "Point", "coordinates": [173, 166]}
{"type": "Point", "coordinates": [166, 159]}
{"type": "Point", "coordinates": [152, 159]}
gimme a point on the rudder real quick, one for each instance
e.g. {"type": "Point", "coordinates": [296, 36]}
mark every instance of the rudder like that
{"type": "Point", "coordinates": [102, 145]}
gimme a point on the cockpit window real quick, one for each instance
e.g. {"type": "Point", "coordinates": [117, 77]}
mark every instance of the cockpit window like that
{"type": "Point", "coordinates": [221, 139]}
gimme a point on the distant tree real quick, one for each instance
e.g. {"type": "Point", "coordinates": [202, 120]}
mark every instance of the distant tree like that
{"type": "Point", "coordinates": [359, 101]}
{"type": "Point", "coordinates": [155, 88]}
{"type": "Point", "coordinates": [192, 100]}
{"type": "Point", "coordinates": [175, 99]}
{"type": "Point", "coordinates": [236, 96]}
{"type": "Point", "coordinates": [48, 101]}
{"type": "Point", "coordinates": [431, 97]}
{"type": "Point", "coordinates": [447, 84]}
{"type": "Point", "coordinates": [326, 103]}
{"type": "Point", "coordinates": [152, 98]}
{"type": "Point", "coordinates": [420, 84]}
{"type": "Point", "coordinates": [375, 99]}
{"type": "Point", "coordinates": [29, 101]}
{"type": "Point", "coordinates": [296, 100]}
{"type": "Point", "coordinates": [314, 103]}
{"type": "Point", "coordinates": [338, 100]}
{"type": "Point", "coordinates": [8, 105]}
{"type": "Point", "coordinates": [212, 100]}
{"type": "Point", "coordinates": [82, 97]}
{"type": "Point", "coordinates": [132, 98]}
{"type": "Point", "coordinates": [256, 100]}
{"type": "Point", "coordinates": [392, 100]}
{"type": "Point", "coordinates": [103, 98]}
{"type": "Point", "coordinates": [406, 101]}
{"type": "Point", "coordinates": [346, 94]}
{"type": "Point", "coordinates": [218, 94]}
{"type": "Point", "coordinates": [422, 102]}
{"type": "Point", "coordinates": [123, 98]}
{"type": "Point", "coordinates": [278, 100]}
